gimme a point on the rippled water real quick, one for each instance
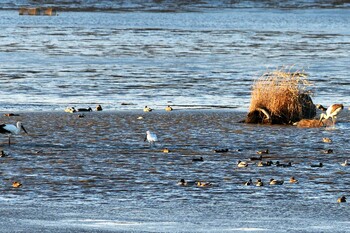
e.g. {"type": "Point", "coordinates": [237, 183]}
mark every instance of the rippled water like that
{"type": "Point", "coordinates": [139, 58]}
{"type": "Point", "coordinates": [97, 174]}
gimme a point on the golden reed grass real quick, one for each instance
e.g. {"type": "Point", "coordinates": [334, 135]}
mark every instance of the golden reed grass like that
{"type": "Point", "coordinates": [282, 93]}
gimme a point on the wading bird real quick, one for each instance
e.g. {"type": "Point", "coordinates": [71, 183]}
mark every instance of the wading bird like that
{"type": "Point", "coordinates": [10, 129]}
{"type": "Point", "coordinates": [332, 112]}
{"type": "Point", "coordinates": [151, 137]}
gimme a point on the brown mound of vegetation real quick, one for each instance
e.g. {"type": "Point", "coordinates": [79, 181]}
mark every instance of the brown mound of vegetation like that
{"type": "Point", "coordinates": [280, 97]}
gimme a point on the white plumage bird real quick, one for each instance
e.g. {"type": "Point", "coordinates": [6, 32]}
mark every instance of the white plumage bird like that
{"type": "Point", "coordinates": [151, 137]}
{"type": "Point", "coordinates": [10, 129]}
{"type": "Point", "coordinates": [332, 112]}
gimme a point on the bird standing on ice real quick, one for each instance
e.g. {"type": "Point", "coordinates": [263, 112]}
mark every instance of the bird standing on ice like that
{"type": "Point", "coordinates": [151, 137]}
{"type": "Point", "coordinates": [332, 112]}
{"type": "Point", "coordinates": [11, 129]}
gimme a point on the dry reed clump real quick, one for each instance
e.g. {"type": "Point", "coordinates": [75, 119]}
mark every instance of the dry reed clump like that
{"type": "Point", "coordinates": [281, 97]}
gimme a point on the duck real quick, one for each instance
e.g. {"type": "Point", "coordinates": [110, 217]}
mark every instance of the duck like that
{"type": "Point", "coordinates": [81, 115]}
{"type": "Point", "coordinates": [221, 150]}
{"type": "Point", "coordinates": [3, 154]}
{"type": "Point", "coordinates": [317, 165]}
{"type": "Point", "coordinates": [263, 152]}
{"type": "Point", "coordinates": [328, 151]}
{"type": "Point", "coordinates": [168, 108]}
{"type": "Point", "coordinates": [341, 199]}
{"type": "Point", "coordinates": [293, 180]}
{"type": "Point", "coordinates": [276, 182]}
{"type": "Point", "coordinates": [147, 109]}
{"type": "Point", "coordinates": [70, 110]}
{"type": "Point", "coordinates": [198, 159]}
{"type": "Point", "coordinates": [99, 108]}
{"type": "Point", "coordinates": [249, 182]}
{"type": "Point", "coordinates": [203, 184]}
{"type": "Point", "coordinates": [259, 183]}
{"type": "Point", "coordinates": [256, 158]}
{"type": "Point", "coordinates": [182, 182]}
{"type": "Point", "coordinates": [166, 150]}
{"type": "Point", "coordinates": [278, 164]}
{"type": "Point", "coordinates": [265, 164]}
{"type": "Point", "coordinates": [10, 114]}
{"type": "Point", "coordinates": [16, 184]}
{"type": "Point", "coordinates": [345, 163]}
{"type": "Point", "coordinates": [327, 140]}
{"type": "Point", "coordinates": [84, 109]}
{"type": "Point", "coordinates": [242, 164]}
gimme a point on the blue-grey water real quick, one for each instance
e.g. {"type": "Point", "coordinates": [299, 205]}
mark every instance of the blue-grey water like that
{"type": "Point", "coordinates": [185, 58]}
{"type": "Point", "coordinates": [96, 174]}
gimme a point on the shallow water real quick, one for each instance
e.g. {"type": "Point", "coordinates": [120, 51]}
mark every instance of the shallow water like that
{"type": "Point", "coordinates": [97, 174]}
{"type": "Point", "coordinates": [207, 58]}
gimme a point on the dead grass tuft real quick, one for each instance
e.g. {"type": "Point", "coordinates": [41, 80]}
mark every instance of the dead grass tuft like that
{"type": "Point", "coordinates": [284, 94]}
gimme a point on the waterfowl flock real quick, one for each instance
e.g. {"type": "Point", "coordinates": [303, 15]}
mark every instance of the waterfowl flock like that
{"type": "Point", "coordinates": [152, 138]}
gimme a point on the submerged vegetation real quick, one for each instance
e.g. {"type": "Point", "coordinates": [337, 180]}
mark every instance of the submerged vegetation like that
{"type": "Point", "coordinates": [281, 97]}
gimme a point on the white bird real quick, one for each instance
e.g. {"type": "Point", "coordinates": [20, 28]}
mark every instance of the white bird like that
{"type": "Point", "coordinates": [151, 137]}
{"type": "Point", "coordinates": [11, 129]}
{"type": "Point", "coordinates": [345, 163]}
{"type": "Point", "coordinates": [332, 112]}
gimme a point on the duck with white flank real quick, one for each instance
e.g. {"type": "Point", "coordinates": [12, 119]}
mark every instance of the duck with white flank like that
{"type": "Point", "coordinates": [331, 112]}
{"type": "Point", "coordinates": [147, 109]}
{"type": "Point", "coordinates": [168, 108]}
{"type": "Point", "coordinates": [259, 183]}
{"type": "Point", "coordinates": [242, 164]}
{"type": "Point", "coordinates": [70, 110]}
{"type": "Point", "coordinates": [99, 108]}
{"type": "Point", "coordinates": [10, 129]}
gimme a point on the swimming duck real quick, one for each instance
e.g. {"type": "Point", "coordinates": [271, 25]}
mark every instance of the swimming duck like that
{"type": "Point", "coordinates": [147, 109]}
{"type": "Point", "coordinates": [278, 164]}
{"type": "Point", "coordinates": [168, 108]}
{"type": "Point", "coordinates": [263, 151]}
{"type": "Point", "coordinates": [256, 158]}
{"type": "Point", "coordinates": [241, 164]}
{"type": "Point", "coordinates": [276, 182]}
{"type": "Point", "coordinates": [293, 180]}
{"type": "Point", "coordinates": [203, 184]}
{"type": "Point", "coordinates": [341, 199]}
{"type": "Point", "coordinates": [70, 109]}
{"type": "Point", "coordinates": [328, 151]}
{"type": "Point", "coordinates": [249, 182]}
{"type": "Point", "coordinates": [166, 150]}
{"type": "Point", "coordinates": [198, 159]}
{"type": "Point", "coordinates": [99, 108]}
{"type": "Point", "coordinates": [81, 115]}
{"type": "Point", "coordinates": [265, 164]}
{"type": "Point", "coordinates": [221, 150]}
{"type": "Point", "coordinates": [345, 163]}
{"type": "Point", "coordinates": [317, 165]}
{"type": "Point", "coordinates": [259, 183]}
{"type": "Point", "coordinates": [84, 109]}
{"type": "Point", "coordinates": [327, 140]}
{"type": "Point", "coordinates": [140, 118]}
{"type": "Point", "coordinates": [10, 114]}
{"type": "Point", "coordinates": [3, 154]}
{"type": "Point", "coordinates": [182, 182]}
{"type": "Point", "coordinates": [16, 184]}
